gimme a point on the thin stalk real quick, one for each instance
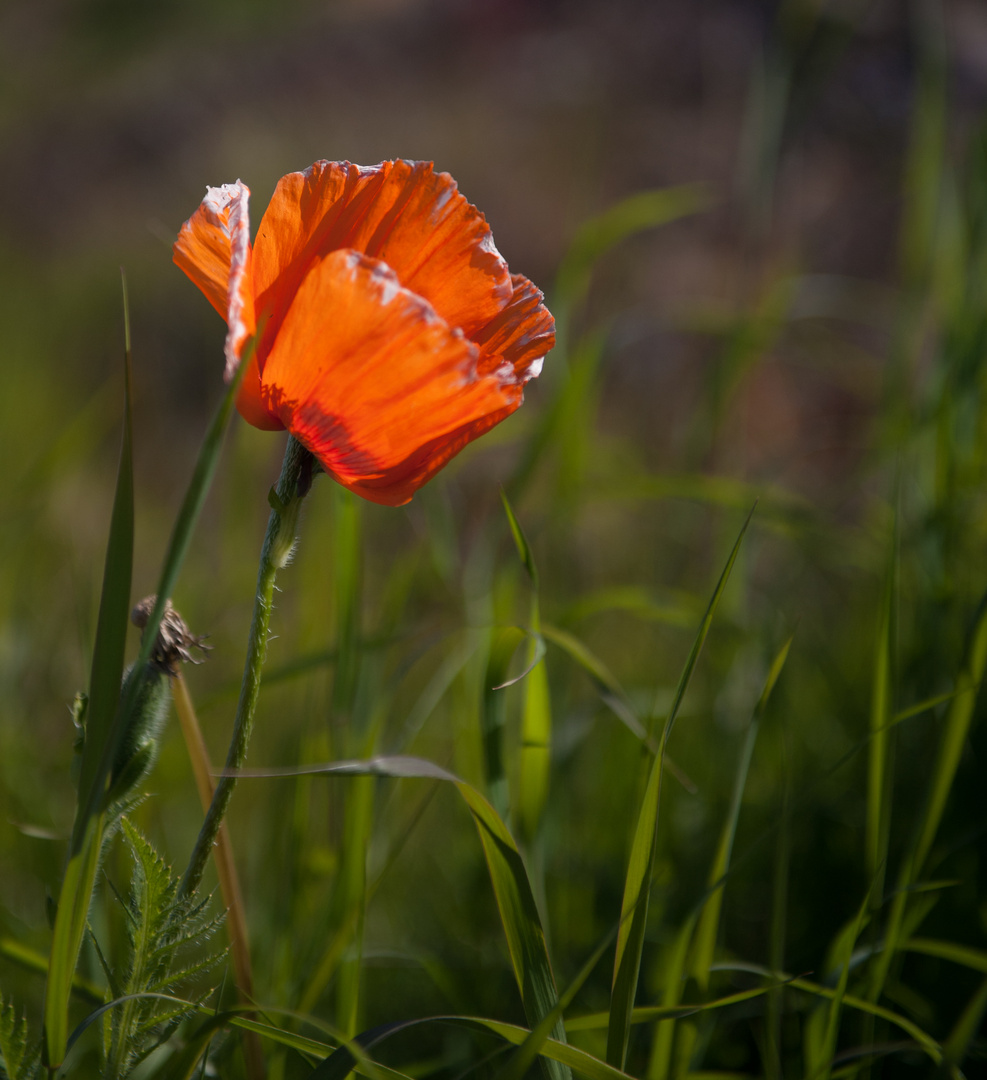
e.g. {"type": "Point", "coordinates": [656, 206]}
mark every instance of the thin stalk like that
{"type": "Point", "coordinates": [229, 883]}
{"type": "Point", "coordinates": [285, 500]}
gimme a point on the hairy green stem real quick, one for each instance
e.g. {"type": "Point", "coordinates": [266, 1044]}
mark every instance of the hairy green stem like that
{"type": "Point", "coordinates": [285, 500]}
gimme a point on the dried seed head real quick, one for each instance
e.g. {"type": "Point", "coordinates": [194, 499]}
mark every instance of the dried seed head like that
{"type": "Point", "coordinates": [174, 638]}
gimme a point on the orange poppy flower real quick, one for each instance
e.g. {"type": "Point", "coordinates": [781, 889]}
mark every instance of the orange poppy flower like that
{"type": "Point", "coordinates": [389, 331]}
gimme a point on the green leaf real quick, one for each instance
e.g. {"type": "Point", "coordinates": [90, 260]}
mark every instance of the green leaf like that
{"type": "Point", "coordinates": [512, 889]}
{"type": "Point", "coordinates": [106, 673]}
{"type": "Point", "coordinates": [17, 1059]}
{"type": "Point", "coordinates": [640, 869]}
{"type": "Point", "coordinates": [98, 750]}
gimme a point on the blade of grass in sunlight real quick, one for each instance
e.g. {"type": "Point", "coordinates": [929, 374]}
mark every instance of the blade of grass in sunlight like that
{"type": "Point", "coordinates": [504, 643]}
{"type": "Point", "coordinates": [536, 713]}
{"type": "Point", "coordinates": [515, 902]}
{"type": "Point", "coordinates": [104, 697]}
{"type": "Point", "coordinates": [640, 870]}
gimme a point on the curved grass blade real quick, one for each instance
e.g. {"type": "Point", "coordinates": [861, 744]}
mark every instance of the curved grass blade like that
{"type": "Point", "coordinates": [553, 1052]}
{"type": "Point", "coordinates": [536, 715]}
{"type": "Point", "coordinates": [964, 1031]}
{"type": "Point", "coordinates": [105, 678]}
{"type": "Point", "coordinates": [504, 642]}
{"type": "Point", "coordinates": [640, 869]}
{"type": "Point", "coordinates": [975, 959]}
{"type": "Point", "coordinates": [929, 1046]}
{"type": "Point", "coordinates": [820, 1062]}
{"type": "Point", "coordinates": [512, 889]}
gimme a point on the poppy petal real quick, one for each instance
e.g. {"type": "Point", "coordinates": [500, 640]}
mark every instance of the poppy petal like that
{"type": "Point", "coordinates": [213, 248]}
{"type": "Point", "coordinates": [402, 212]}
{"type": "Point", "coordinates": [522, 334]}
{"type": "Point", "coordinates": [370, 378]}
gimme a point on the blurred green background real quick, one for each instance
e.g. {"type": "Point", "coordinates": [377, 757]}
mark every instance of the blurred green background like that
{"type": "Point", "coordinates": [811, 334]}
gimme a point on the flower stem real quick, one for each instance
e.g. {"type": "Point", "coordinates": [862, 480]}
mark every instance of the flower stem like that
{"type": "Point", "coordinates": [285, 500]}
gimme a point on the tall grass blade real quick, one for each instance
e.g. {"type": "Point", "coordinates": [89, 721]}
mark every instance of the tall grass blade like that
{"type": "Point", "coordinates": [709, 921]}
{"type": "Point", "coordinates": [880, 751]}
{"type": "Point", "coordinates": [536, 714]}
{"type": "Point", "coordinates": [954, 733]}
{"type": "Point", "coordinates": [105, 679]}
{"type": "Point", "coordinates": [504, 642]}
{"type": "Point", "coordinates": [640, 869]}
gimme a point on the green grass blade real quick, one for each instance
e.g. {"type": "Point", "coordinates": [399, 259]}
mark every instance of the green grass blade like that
{"type": "Point", "coordinates": [640, 869]}
{"type": "Point", "coordinates": [957, 725]}
{"type": "Point", "coordinates": [975, 959]}
{"type": "Point", "coordinates": [70, 927]}
{"type": "Point", "coordinates": [520, 541]}
{"type": "Point", "coordinates": [880, 751]}
{"type": "Point", "coordinates": [648, 1014]}
{"type": "Point", "coordinates": [508, 876]}
{"type": "Point", "coordinates": [536, 714]}
{"type": "Point", "coordinates": [533, 1043]}
{"type": "Point", "coordinates": [673, 970]}
{"type": "Point", "coordinates": [105, 679]}
{"type": "Point", "coordinates": [709, 921]}
{"type": "Point", "coordinates": [535, 753]}
{"type": "Point", "coordinates": [558, 1055]}
{"type": "Point", "coordinates": [106, 674]}
{"type": "Point", "coordinates": [504, 642]}
{"type": "Point", "coordinates": [822, 1064]}
{"type": "Point", "coordinates": [965, 1030]}
{"type": "Point", "coordinates": [849, 1001]}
